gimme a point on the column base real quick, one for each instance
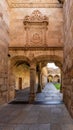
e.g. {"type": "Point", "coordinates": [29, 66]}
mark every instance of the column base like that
{"type": "Point", "coordinates": [32, 98]}
{"type": "Point", "coordinates": [39, 89]}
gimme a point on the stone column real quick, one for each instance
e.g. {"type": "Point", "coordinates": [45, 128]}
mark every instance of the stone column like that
{"type": "Point", "coordinates": [32, 83]}
{"type": "Point", "coordinates": [39, 89]}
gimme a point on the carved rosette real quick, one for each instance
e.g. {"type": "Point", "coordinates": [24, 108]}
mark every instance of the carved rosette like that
{"type": "Point", "coordinates": [35, 27]}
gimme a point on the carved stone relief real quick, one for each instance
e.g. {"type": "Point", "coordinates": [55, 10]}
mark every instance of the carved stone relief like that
{"type": "Point", "coordinates": [36, 38]}
{"type": "Point", "coordinates": [36, 27]}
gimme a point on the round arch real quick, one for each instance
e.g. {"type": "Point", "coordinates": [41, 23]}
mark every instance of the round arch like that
{"type": "Point", "coordinates": [50, 78]}
{"type": "Point", "coordinates": [16, 60]}
{"type": "Point", "coordinates": [48, 58]}
{"type": "Point", "coordinates": [57, 78]}
{"type": "Point", "coordinates": [18, 67]}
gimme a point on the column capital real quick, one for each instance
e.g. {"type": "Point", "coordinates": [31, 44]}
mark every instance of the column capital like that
{"type": "Point", "coordinates": [32, 66]}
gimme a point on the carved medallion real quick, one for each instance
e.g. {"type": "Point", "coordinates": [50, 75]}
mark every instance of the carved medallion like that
{"type": "Point", "coordinates": [36, 38]}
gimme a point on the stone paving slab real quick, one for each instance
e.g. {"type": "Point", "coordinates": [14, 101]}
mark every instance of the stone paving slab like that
{"type": "Point", "coordinates": [38, 127]}
{"type": "Point", "coordinates": [26, 127]}
{"type": "Point", "coordinates": [50, 95]}
{"type": "Point", "coordinates": [35, 117]}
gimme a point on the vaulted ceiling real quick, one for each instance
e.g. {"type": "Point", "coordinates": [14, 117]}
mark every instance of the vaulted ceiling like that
{"type": "Point", "coordinates": [34, 3]}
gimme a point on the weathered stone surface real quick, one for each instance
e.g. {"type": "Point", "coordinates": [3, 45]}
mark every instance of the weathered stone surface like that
{"type": "Point", "coordinates": [40, 41]}
{"type": "Point", "coordinates": [68, 54]}
{"type": "Point", "coordinates": [34, 3]}
{"type": "Point", "coordinates": [4, 41]}
{"type": "Point", "coordinates": [53, 34]}
{"type": "Point", "coordinates": [42, 117]}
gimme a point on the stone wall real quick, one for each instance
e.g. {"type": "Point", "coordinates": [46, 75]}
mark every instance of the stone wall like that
{"type": "Point", "coordinates": [53, 34]}
{"type": "Point", "coordinates": [49, 9]}
{"type": "Point", "coordinates": [35, 40]}
{"type": "Point", "coordinates": [68, 55]}
{"type": "Point", "coordinates": [4, 41]}
{"type": "Point", "coordinates": [22, 71]}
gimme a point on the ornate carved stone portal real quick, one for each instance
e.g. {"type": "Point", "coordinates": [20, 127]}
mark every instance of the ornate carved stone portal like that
{"type": "Point", "coordinates": [36, 29]}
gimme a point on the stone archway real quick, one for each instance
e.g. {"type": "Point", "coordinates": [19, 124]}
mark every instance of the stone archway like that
{"type": "Point", "coordinates": [57, 78]}
{"type": "Point", "coordinates": [18, 65]}
{"type": "Point", "coordinates": [50, 78]}
{"type": "Point", "coordinates": [33, 62]}
{"type": "Point", "coordinates": [40, 61]}
{"type": "Point", "coordinates": [48, 58]}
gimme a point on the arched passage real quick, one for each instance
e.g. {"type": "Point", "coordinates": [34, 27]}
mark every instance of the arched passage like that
{"type": "Point", "coordinates": [28, 73]}
{"type": "Point", "coordinates": [50, 78]}
{"type": "Point", "coordinates": [40, 62]}
{"type": "Point", "coordinates": [19, 75]}
{"type": "Point", "coordinates": [57, 78]}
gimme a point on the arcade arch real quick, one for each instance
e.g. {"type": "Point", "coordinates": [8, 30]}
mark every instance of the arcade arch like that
{"type": "Point", "coordinates": [33, 69]}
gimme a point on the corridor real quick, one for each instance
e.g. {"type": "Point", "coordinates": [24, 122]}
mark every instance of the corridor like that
{"type": "Point", "coordinates": [34, 36]}
{"type": "Point", "coordinates": [37, 116]}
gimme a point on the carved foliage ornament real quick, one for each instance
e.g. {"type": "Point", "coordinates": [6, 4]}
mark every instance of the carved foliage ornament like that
{"type": "Point", "coordinates": [36, 17]}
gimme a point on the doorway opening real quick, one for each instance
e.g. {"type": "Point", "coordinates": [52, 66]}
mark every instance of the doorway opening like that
{"type": "Point", "coordinates": [54, 75]}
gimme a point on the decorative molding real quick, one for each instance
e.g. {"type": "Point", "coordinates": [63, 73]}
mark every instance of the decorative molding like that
{"type": "Point", "coordinates": [35, 17]}
{"type": "Point", "coordinates": [34, 48]}
{"type": "Point", "coordinates": [24, 4]}
{"type": "Point", "coordinates": [35, 26]}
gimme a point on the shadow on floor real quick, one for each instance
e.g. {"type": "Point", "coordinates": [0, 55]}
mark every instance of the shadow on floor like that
{"type": "Point", "coordinates": [49, 96]}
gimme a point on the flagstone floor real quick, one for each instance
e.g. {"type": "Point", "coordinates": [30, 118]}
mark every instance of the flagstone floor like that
{"type": "Point", "coordinates": [50, 95]}
{"type": "Point", "coordinates": [36, 117]}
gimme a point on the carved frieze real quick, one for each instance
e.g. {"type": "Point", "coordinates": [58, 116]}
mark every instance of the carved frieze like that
{"type": "Point", "coordinates": [35, 3]}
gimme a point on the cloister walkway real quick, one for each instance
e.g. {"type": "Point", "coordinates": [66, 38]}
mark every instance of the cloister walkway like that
{"type": "Point", "coordinates": [35, 116]}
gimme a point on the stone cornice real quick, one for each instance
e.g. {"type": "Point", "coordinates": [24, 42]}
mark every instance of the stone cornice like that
{"type": "Point", "coordinates": [34, 48]}
{"type": "Point", "coordinates": [33, 4]}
